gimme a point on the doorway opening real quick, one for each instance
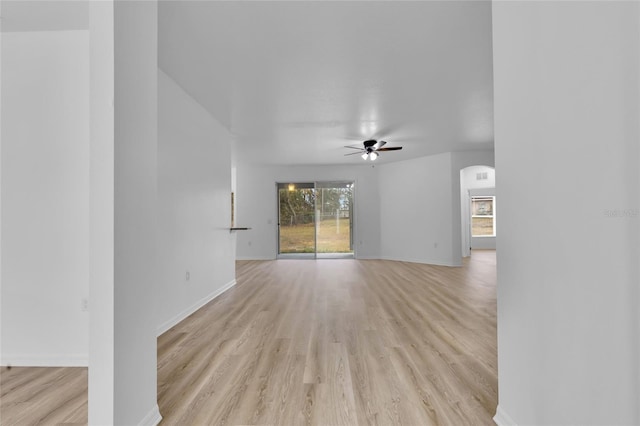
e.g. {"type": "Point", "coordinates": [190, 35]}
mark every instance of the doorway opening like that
{"type": "Point", "coordinates": [315, 220]}
{"type": "Point", "coordinates": [478, 208]}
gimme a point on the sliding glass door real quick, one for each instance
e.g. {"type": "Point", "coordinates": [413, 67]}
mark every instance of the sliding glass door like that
{"type": "Point", "coordinates": [315, 219]}
{"type": "Point", "coordinates": [297, 203]}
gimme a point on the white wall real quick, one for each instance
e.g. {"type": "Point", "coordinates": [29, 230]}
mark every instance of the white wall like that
{"type": "Point", "coordinates": [469, 179]}
{"type": "Point", "coordinates": [45, 197]}
{"type": "Point", "coordinates": [101, 286]}
{"type": "Point", "coordinates": [256, 205]}
{"type": "Point", "coordinates": [470, 185]}
{"type": "Point", "coordinates": [194, 207]}
{"type": "Point", "coordinates": [567, 111]}
{"type": "Point", "coordinates": [419, 207]}
{"type": "Point", "coordinates": [1, 29]}
{"type": "Point", "coordinates": [135, 204]}
{"type": "Point", "coordinates": [402, 209]}
{"type": "Point", "coordinates": [416, 210]}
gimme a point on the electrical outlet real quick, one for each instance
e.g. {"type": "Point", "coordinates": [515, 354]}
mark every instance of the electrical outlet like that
{"type": "Point", "coordinates": [187, 276]}
{"type": "Point", "coordinates": [84, 304]}
{"type": "Point", "coordinates": [435, 245]}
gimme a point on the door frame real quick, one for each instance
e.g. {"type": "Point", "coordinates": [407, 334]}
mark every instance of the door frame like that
{"type": "Point", "coordinates": [314, 255]}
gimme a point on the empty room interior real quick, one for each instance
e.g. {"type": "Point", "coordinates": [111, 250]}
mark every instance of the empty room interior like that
{"type": "Point", "coordinates": [321, 213]}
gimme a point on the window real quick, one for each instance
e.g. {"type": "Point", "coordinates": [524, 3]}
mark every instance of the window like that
{"type": "Point", "coordinates": [482, 216]}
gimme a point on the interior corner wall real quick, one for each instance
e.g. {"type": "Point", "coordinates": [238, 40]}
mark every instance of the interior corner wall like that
{"type": "Point", "coordinates": [194, 205]}
{"type": "Point", "coordinates": [420, 207]}
{"type": "Point", "coordinates": [567, 112]}
{"type": "Point", "coordinates": [416, 210]}
{"type": "Point", "coordinates": [45, 198]}
{"type": "Point", "coordinates": [256, 205]}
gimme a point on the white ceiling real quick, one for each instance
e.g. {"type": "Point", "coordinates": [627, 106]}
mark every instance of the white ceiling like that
{"type": "Point", "coordinates": [295, 81]}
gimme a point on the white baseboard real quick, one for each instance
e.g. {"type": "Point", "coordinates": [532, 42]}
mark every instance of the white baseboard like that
{"type": "Point", "coordinates": [152, 418]}
{"type": "Point", "coordinates": [503, 419]}
{"type": "Point", "coordinates": [45, 360]}
{"type": "Point", "coordinates": [254, 258]}
{"type": "Point", "coordinates": [365, 257]}
{"type": "Point", "coordinates": [424, 261]}
{"type": "Point", "coordinates": [191, 309]}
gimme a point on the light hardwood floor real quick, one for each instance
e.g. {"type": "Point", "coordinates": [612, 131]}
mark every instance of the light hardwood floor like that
{"type": "Point", "coordinates": [338, 342]}
{"type": "Point", "coordinates": [43, 396]}
{"type": "Point", "coordinates": [334, 342]}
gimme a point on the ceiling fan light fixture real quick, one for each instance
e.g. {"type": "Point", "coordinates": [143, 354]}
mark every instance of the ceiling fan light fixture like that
{"type": "Point", "coordinates": [370, 149]}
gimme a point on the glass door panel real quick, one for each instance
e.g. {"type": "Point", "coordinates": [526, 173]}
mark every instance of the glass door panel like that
{"type": "Point", "coordinates": [334, 201]}
{"type": "Point", "coordinates": [296, 207]}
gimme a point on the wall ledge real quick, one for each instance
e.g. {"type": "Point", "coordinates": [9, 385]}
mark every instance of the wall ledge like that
{"type": "Point", "coordinates": [502, 418]}
{"type": "Point", "coordinates": [194, 307]}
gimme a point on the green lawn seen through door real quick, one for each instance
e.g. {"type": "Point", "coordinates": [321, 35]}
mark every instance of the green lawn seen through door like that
{"type": "Point", "coordinates": [296, 238]}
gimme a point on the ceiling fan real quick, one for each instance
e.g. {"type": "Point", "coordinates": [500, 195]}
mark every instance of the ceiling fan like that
{"type": "Point", "coordinates": [370, 149]}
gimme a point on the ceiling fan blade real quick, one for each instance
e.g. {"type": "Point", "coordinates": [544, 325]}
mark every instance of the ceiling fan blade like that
{"type": "Point", "coordinates": [393, 148]}
{"type": "Point", "coordinates": [354, 147]}
{"type": "Point", "coordinates": [354, 153]}
{"type": "Point", "coordinates": [379, 145]}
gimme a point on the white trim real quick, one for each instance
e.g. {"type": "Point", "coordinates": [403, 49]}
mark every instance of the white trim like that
{"type": "Point", "coordinates": [503, 419]}
{"type": "Point", "coordinates": [367, 257]}
{"type": "Point", "coordinates": [372, 257]}
{"type": "Point", "coordinates": [255, 258]}
{"type": "Point", "coordinates": [46, 360]}
{"type": "Point", "coordinates": [191, 309]}
{"type": "Point", "coordinates": [152, 418]}
{"type": "Point", "coordinates": [424, 261]}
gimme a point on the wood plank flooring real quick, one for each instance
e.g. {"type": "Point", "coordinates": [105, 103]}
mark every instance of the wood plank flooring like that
{"type": "Point", "coordinates": [337, 342]}
{"type": "Point", "coordinates": [43, 396]}
{"type": "Point", "coordinates": [301, 342]}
